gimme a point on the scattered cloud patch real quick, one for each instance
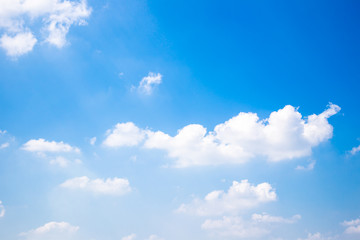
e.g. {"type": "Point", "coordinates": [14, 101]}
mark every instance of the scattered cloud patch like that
{"type": "Point", "coordinates": [315, 236]}
{"type": "Point", "coordinates": [53, 231]}
{"type": "Point", "coordinates": [148, 83]}
{"type": "Point", "coordinates": [354, 150]}
{"type": "Point", "coordinates": [109, 186]}
{"type": "Point", "coordinates": [240, 196]}
{"type": "Point", "coordinates": [18, 44]}
{"type": "Point", "coordinates": [17, 19]}
{"type": "Point", "coordinates": [266, 218]}
{"type": "Point", "coordinates": [284, 135]}
{"type": "Point", "coordinates": [2, 210]}
{"type": "Point", "coordinates": [133, 237]}
{"type": "Point", "coordinates": [124, 134]}
{"type": "Point", "coordinates": [352, 227]}
{"type": "Point", "coordinates": [309, 167]}
{"type": "Point", "coordinates": [130, 237]}
{"type": "Point", "coordinates": [92, 140]}
{"type": "Point", "coordinates": [4, 145]}
{"type": "Point", "coordinates": [41, 145]}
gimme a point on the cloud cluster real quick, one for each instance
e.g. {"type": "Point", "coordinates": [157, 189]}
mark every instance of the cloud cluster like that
{"type": "Point", "coordinates": [284, 135]}
{"type": "Point", "coordinates": [17, 17]}
{"type": "Point", "coordinates": [41, 145]}
{"type": "Point", "coordinates": [352, 227]}
{"type": "Point", "coordinates": [114, 186]}
{"type": "Point", "coordinates": [240, 196]}
{"type": "Point", "coordinates": [53, 231]}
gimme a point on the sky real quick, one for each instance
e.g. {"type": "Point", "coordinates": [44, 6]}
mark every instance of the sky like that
{"type": "Point", "coordinates": [173, 120]}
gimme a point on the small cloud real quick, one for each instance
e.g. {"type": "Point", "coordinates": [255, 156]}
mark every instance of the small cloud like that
{"type": "Point", "coordinates": [354, 150]}
{"type": "Point", "coordinates": [41, 145]}
{"type": "Point", "coordinates": [124, 134]}
{"type": "Point", "coordinates": [149, 82]}
{"type": "Point", "coordinates": [51, 230]}
{"type": "Point", "coordinates": [19, 44]}
{"type": "Point", "coordinates": [352, 227]}
{"type": "Point", "coordinates": [114, 186]}
{"type": "Point", "coordinates": [130, 237]}
{"type": "Point", "coordinates": [60, 161]}
{"type": "Point", "coordinates": [2, 210]}
{"type": "Point", "coordinates": [309, 167]}
{"type": "Point", "coordinates": [4, 145]}
{"type": "Point", "coordinates": [92, 140]}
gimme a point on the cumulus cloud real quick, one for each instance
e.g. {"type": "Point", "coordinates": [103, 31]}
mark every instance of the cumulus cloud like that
{"type": "Point", "coordinates": [2, 210]}
{"type": "Point", "coordinates": [124, 134]}
{"type": "Point", "coordinates": [18, 44]}
{"type": "Point", "coordinates": [284, 135]}
{"type": "Point", "coordinates": [17, 17]}
{"type": "Point", "coordinates": [352, 227]}
{"type": "Point", "coordinates": [147, 83]}
{"type": "Point", "coordinates": [109, 186]}
{"type": "Point", "coordinates": [240, 196]}
{"type": "Point", "coordinates": [53, 231]}
{"type": "Point", "coordinates": [41, 145]}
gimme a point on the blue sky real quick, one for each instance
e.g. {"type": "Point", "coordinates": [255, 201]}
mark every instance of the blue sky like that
{"type": "Point", "coordinates": [172, 120]}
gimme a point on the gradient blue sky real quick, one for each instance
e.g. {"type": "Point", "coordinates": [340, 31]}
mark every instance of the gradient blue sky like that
{"type": "Point", "coordinates": [210, 61]}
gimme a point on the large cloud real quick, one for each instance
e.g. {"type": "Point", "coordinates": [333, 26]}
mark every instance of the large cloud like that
{"type": "Point", "coordinates": [114, 186]}
{"type": "Point", "coordinates": [53, 231]}
{"type": "Point", "coordinates": [240, 196]}
{"type": "Point", "coordinates": [17, 17]}
{"type": "Point", "coordinates": [284, 135]}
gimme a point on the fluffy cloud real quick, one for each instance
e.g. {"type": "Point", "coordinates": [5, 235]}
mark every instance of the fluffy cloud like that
{"type": "Point", "coordinates": [2, 209]}
{"type": "Point", "coordinates": [53, 231]}
{"type": "Point", "coordinates": [352, 227]}
{"type": "Point", "coordinates": [18, 44]}
{"type": "Point", "coordinates": [56, 16]}
{"type": "Point", "coordinates": [124, 134]}
{"type": "Point", "coordinates": [149, 82]}
{"type": "Point", "coordinates": [41, 145]}
{"type": "Point", "coordinates": [284, 135]}
{"type": "Point", "coordinates": [240, 196]}
{"type": "Point", "coordinates": [114, 186]}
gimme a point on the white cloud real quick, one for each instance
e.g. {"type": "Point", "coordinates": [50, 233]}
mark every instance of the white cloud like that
{"type": "Point", "coordinates": [4, 145]}
{"type": "Point", "coordinates": [240, 196]}
{"type": "Point", "coordinates": [114, 186]}
{"type": "Point", "coordinates": [266, 218]}
{"type": "Point", "coordinates": [309, 167]}
{"type": "Point", "coordinates": [352, 227]}
{"type": "Point", "coordinates": [124, 134]}
{"type": "Point", "coordinates": [2, 210]}
{"type": "Point", "coordinates": [19, 44]}
{"type": "Point", "coordinates": [53, 231]}
{"type": "Point", "coordinates": [149, 82]}
{"type": "Point", "coordinates": [234, 227]}
{"type": "Point", "coordinates": [257, 227]}
{"type": "Point", "coordinates": [284, 135]}
{"type": "Point", "coordinates": [41, 145]}
{"type": "Point", "coordinates": [133, 237]}
{"type": "Point", "coordinates": [130, 237]}
{"type": "Point", "coordinates": [60, 161]}
{"type": "Point", "coordinates": [92, 140]}
{"type": "Point", "coordinates": [17, 17]}
{"type": "Point", "coordinates": [315, 236]}
{"type": "Point", "coordinates": [354, 150]}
